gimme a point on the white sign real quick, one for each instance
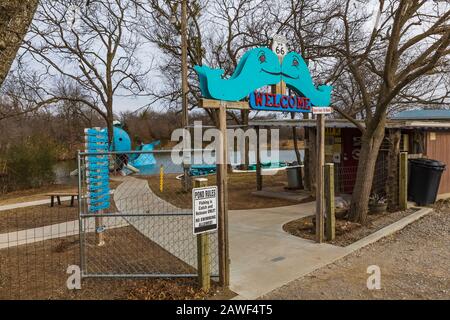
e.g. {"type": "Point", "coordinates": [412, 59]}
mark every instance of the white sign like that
{"type": "Point", "coordinates": [204, 207]}
{"type": "Point", "coordinates": [322, 110]}
{"type": "Point", "coordinates": [279, 45]}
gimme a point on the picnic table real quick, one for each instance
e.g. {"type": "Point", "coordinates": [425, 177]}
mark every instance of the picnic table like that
{"type": "Point", "coordinates": [59, 194]}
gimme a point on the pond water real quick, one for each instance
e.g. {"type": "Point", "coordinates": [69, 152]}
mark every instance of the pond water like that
{"type": "Point", "coordinates": [63, 169]}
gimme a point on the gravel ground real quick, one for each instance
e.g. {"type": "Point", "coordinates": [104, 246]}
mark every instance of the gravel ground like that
{"type": "Point", "coordinates": [414, 264]}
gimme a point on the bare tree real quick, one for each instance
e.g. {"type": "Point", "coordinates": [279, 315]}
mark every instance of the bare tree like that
{"type": "Point", "coordinates": [398, 61]}
{"type": "Point", "coordinates": [93, 45]}
{"type": "Point", "coordinates": [219, 33]}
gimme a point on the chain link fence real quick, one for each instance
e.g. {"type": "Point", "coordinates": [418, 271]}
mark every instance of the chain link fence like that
{"type": "Point", "coordinates": [345, 177]}
{"type": "Point", "coordinates": [146, 231]}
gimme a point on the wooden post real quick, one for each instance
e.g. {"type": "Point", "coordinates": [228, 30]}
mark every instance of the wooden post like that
{"type": "Point", "coordinates": [258, 161]}
{"type": "Point", "coordinates": [403, 183]}
{"type": "Point", "coordinates": [222, 184]}
{"type": "Point", "coordinates": [329, 201]}
{"type": "Point", "coordinates": [203, 259]}
{"type": "Point", "coordinates": [319, 177]}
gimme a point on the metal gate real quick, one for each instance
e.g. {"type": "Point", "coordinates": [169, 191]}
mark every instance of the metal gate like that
{"type": "Point", "coordinates": [146, 230]}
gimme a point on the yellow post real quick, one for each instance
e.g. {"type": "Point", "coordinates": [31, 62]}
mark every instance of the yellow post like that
{"type": "Point", "coordinates": [161, 178]}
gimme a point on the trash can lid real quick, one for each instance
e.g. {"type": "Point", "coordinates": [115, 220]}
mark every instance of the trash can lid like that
{"type": "Point", "coordinates": [429, 163]}
{"type": "Point", "coordinates": [294, 166]}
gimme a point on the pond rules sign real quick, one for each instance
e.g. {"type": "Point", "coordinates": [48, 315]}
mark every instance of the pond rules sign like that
{"type": "Point", "coordinates": [204, 207]}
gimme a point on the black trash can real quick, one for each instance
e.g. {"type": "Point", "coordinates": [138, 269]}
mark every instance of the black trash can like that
{"type": "Point", "coordinates": [424, 179]}
{"type": "Point", "coordinates": [294, 176]}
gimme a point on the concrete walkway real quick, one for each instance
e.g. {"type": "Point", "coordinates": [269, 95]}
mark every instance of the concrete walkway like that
{"type": "Point", "coordinates": [54, 231]}
{"type": "Point", "coordinates": [29, 204]}
{"type": "Point", "coordinates": [264, 257]}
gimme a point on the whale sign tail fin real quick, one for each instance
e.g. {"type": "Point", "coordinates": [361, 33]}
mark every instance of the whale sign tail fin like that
{"type": "Point", "coordinates": [203, 73]}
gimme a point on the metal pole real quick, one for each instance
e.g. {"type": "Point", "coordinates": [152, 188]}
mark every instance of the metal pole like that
{"type": "Point", "coordinates": [184, 67]}
{"type": "Point", "coordinates": [80, 221]}
{"type": "Point", "coordinates": [184, 80]}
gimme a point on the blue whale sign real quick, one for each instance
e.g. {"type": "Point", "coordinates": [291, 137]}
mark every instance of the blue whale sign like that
{"type": "Point", "coordinates": [260, 67]}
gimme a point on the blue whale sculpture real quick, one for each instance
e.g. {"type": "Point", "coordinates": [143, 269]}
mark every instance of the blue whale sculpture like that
{"type": "Point", "coordinates": [260, 67]}
{"type": "Point", "coordinates": [296, 74]}
{"type": "Point", "coordinates": [257, 68]}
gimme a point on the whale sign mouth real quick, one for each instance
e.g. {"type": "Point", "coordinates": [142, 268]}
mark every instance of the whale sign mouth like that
{"type": "Point", "coordinates": [278, 102]}
{"type": "Point", "coordinates": [271, 72]}
{"type": "Point", "coordinates": [285, 75]}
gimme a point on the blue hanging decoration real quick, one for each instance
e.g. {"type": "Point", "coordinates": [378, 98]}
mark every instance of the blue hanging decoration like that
{"type": "Point", "coordinates": [97, 170]}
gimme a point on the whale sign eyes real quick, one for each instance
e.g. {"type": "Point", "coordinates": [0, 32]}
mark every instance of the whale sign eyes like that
{"type": "Point", "coordinates": [295, 62]}
{"type": "Point", "coordinates": [262, 57]}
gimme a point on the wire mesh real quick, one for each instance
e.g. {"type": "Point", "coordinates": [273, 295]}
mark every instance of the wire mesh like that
{"type": "Point", "coordinates": [345, 178]}
{"type": "Point", "coordinates": [147, 229]}
{"type": "Point", "coordinates": [37, 244]}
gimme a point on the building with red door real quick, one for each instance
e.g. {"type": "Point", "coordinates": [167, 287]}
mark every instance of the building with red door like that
{"type": "Point", "coordinates": [421, 133]}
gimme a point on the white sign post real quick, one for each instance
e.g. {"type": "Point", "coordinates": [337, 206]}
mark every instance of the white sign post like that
{"type": "Point", "coordinates": [279, 45]}
{"type": "Point", "coordinates": [322, 110]}
{"type": "Point", "coordinates": [204, 208]}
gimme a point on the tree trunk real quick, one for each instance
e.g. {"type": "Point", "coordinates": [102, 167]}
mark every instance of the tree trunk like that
{"type": "Point", "coordinates": [109, 123]}
{"type": "Point", "coordinates": [15, 19]}
{"type": "Point", "coordinates": [392, 183]}
{"type": "Point", "coordinates": [370, 145]}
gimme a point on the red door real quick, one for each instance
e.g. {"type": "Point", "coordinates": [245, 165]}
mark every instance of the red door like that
{"type": "Point", "coordinates": [351, 146]}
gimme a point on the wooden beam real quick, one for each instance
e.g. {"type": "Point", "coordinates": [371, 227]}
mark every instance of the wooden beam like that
{"type": "Point", "coordinates": [216, 104]}
{"type": "Point", "coordinates": [222, 184]}
{"type": "Point", "coordinates": [320, 177]}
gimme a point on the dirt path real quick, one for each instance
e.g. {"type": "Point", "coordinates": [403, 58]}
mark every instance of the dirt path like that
{"type": "Point", "coordinates": [414, 263]}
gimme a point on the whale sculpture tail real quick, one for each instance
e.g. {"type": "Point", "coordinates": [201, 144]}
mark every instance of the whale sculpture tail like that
{"type": "Point", "coordinates": [203, 73]}
{"type": "Point", "coordinates": [258, 67]}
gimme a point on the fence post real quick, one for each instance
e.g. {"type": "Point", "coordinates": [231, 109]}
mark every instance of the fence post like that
{"type": "Point", "coordinates": [203, 263]}
{"type": "Point", "coordinates": [329, 201]}
{"type": "Point", "coordinates": [320, 144]}
{"type": "Point", "coordinates": [403, 181]}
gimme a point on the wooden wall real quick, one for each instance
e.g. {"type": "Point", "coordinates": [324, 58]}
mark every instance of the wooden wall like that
{"type": "Point", "coordinates": [438, 148]}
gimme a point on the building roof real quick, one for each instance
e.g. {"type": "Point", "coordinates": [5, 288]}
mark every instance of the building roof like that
{"type": "Point", "coordinates": [423, 115]}
{"type": "Point", "coordinates": [342, 123]}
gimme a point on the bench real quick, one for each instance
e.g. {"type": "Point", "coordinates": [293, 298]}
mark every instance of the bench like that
{"type": "Point", "coordinates": [58, 195]}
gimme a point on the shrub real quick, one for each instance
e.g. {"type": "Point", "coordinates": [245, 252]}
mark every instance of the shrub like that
{"type": "Point", "coordinates": [30, 163]}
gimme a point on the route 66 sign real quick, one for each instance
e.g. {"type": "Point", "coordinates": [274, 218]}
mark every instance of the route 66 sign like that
{"type": "Point", "coordinates": [279, 45]}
